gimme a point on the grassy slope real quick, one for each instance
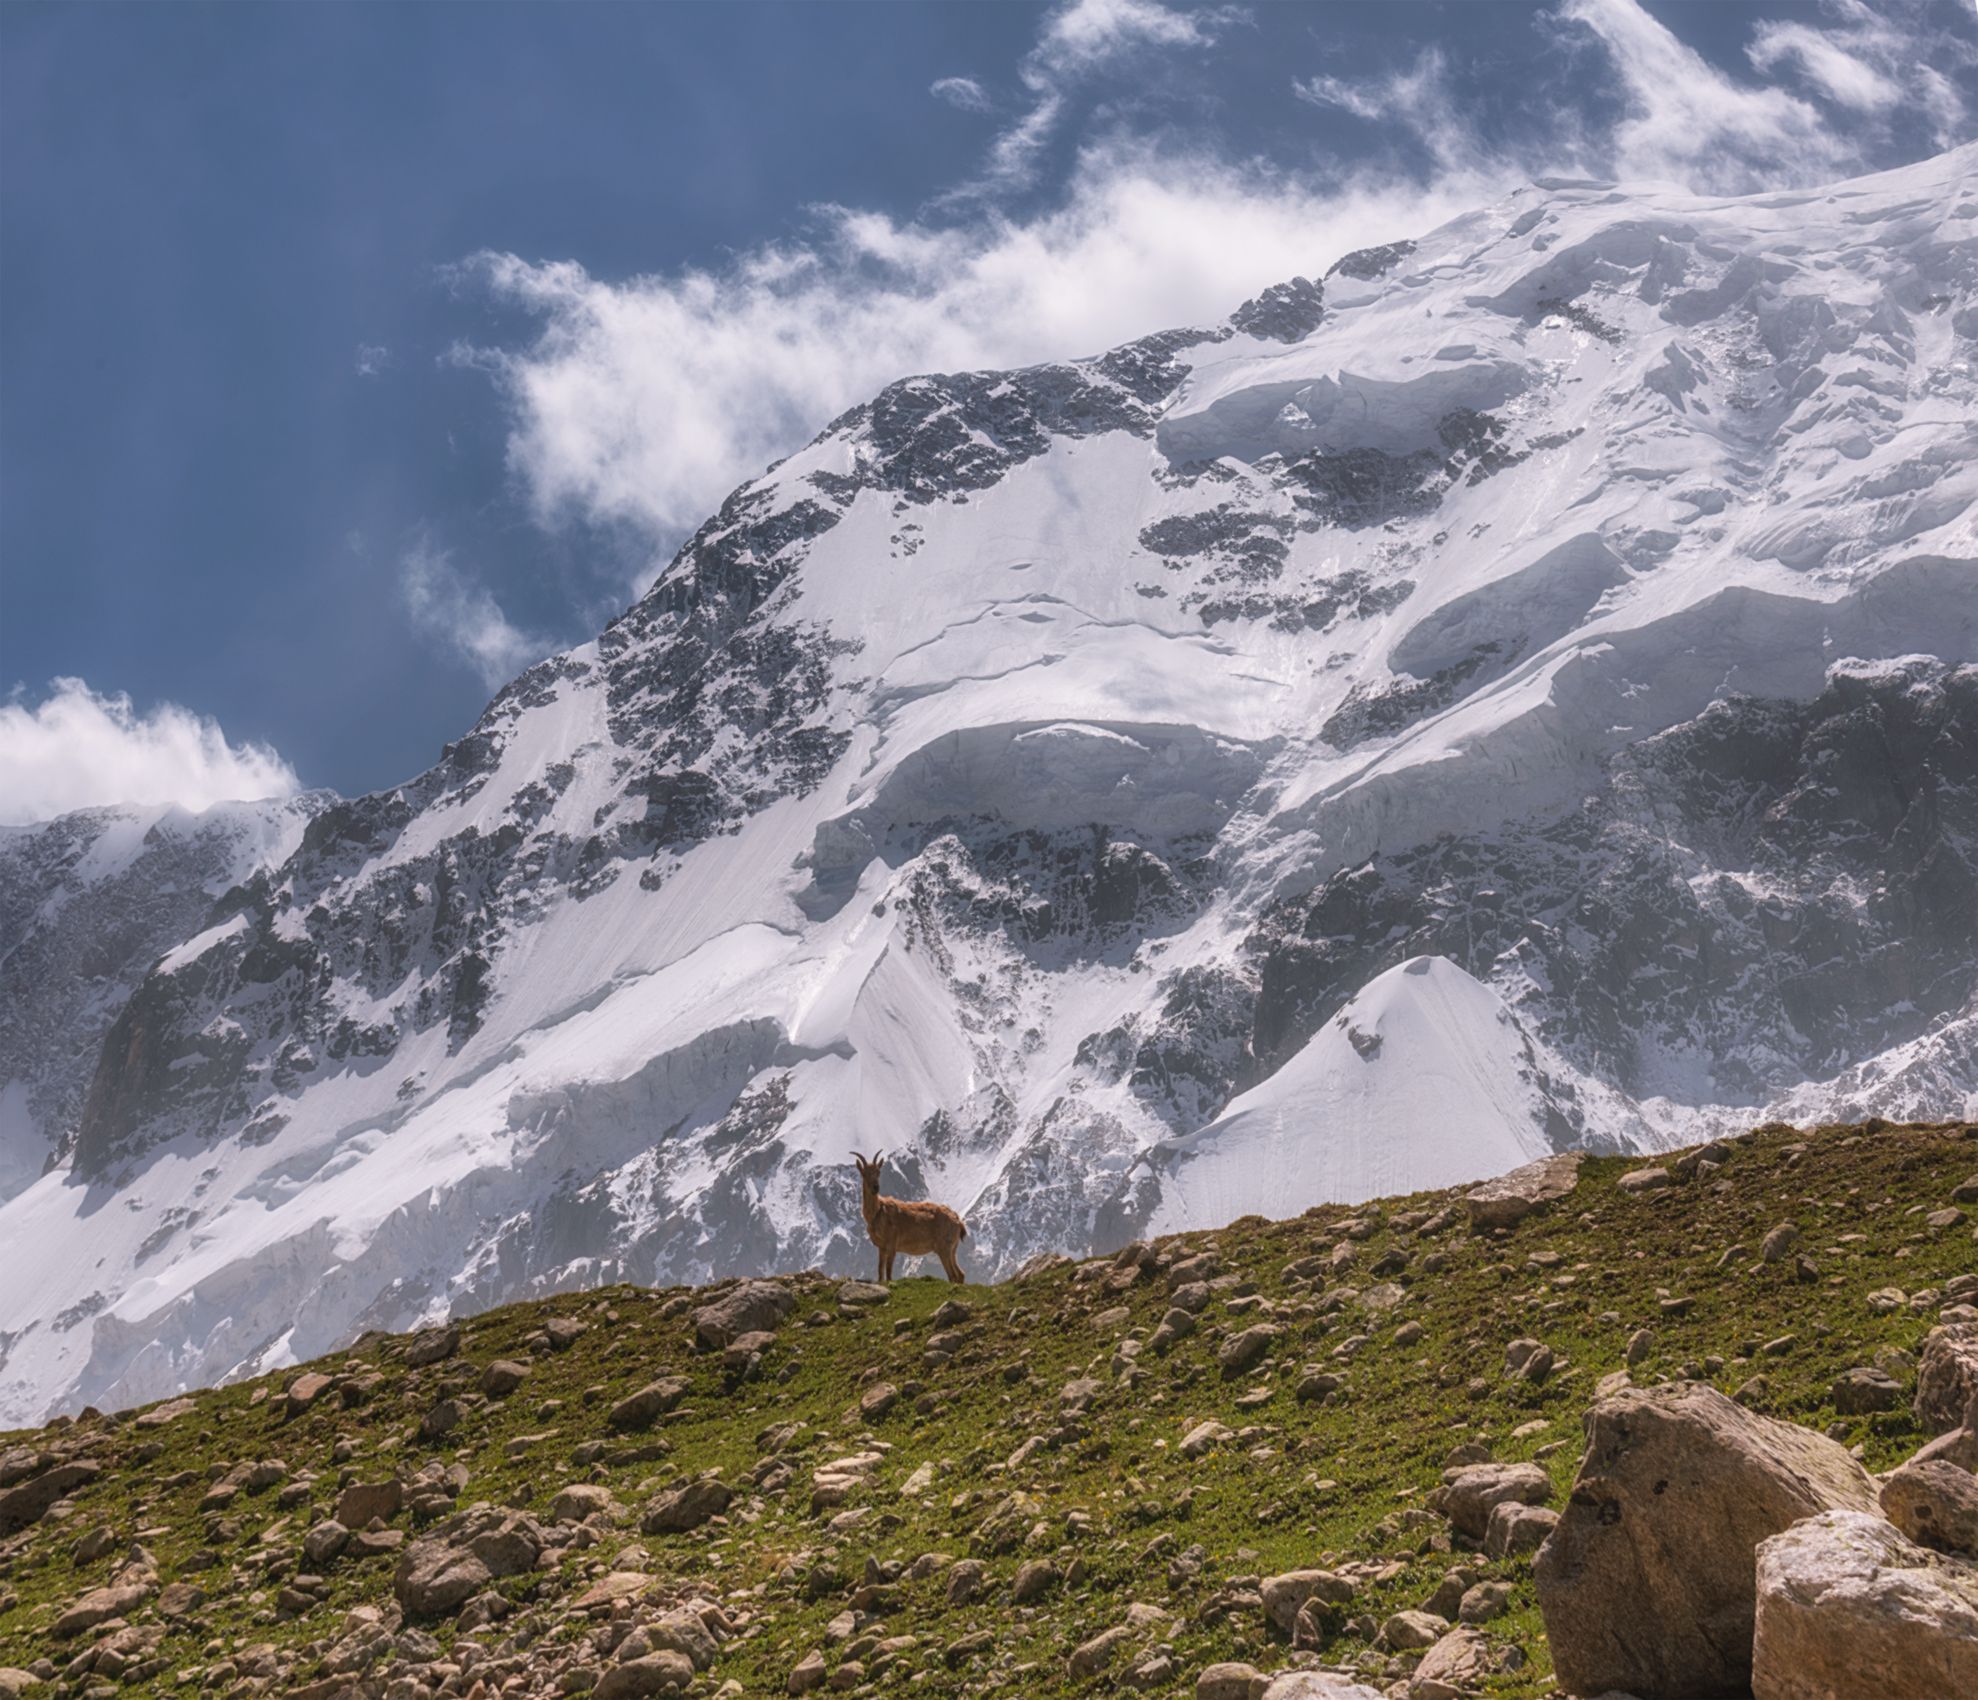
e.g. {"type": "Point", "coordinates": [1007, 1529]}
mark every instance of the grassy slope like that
{"type": "Point", "coordinates": [1304, 1484]}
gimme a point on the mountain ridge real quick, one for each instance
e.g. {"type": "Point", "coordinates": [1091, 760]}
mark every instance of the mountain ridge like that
{"type": "Point", "coordinates": [1035, 762]}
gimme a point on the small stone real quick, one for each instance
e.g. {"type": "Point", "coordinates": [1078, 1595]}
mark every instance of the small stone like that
{"type": "Point", "coordinates": [1780, 1243]}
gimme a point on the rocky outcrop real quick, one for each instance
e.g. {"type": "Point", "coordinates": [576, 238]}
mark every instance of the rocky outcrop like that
{"type": "Point", "coordinates": [1847, 1608]}
{"type": "Point", "coordinates": [1647, 1583]}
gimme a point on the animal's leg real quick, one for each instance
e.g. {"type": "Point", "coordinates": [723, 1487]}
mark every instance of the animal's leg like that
{"type": "Point", "coordinates": [882, 1262]}
{"type": "Point", "coordinates": [953, 1265]}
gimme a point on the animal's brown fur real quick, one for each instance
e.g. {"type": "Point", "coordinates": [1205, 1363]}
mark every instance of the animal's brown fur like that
{"type": "Point", "coordinates": [914, 1227]}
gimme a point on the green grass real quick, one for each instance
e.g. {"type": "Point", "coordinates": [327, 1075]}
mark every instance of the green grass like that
{"type": "Point", "coordinates": [1326, 1492]}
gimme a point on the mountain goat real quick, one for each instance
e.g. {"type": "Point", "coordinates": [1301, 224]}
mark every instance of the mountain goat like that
{"type": "Point", "coordinates": [915, 1228]}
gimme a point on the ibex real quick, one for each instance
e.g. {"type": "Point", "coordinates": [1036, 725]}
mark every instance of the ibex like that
{"type": "Point", "coordinates": [914, 1227]}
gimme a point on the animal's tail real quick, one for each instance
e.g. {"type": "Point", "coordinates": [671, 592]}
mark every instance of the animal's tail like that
{"type": "Point", "coordinates": [961, 1233]}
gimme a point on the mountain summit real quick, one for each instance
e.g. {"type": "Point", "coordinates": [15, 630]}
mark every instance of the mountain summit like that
{"type": "Point", "coordinates": [1517, 690]}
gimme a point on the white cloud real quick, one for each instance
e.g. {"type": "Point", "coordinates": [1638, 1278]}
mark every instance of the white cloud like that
{"type": "Point", "coordinates": [447, 605]}
{"type": "Point", "coordinates": [647, 401]}
{"type": "Point", "coordinates": [81, 749]}
{"type": "Point", "coordinates": [963, 92]}
{"type": "Point", "coordinates": [372, 358]}
{"type": "Point", "coordinates": [1875, 65]}
{"type": "Point", "coordinates": [1688, 122]}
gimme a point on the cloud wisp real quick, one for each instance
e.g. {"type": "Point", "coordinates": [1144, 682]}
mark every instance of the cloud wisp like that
{"type": "Point", "coordinates": [79, 749]}
{"type": "Point", "coordinates": [463, 616]}
{"type": "Point", "coordinates": [647, 401]}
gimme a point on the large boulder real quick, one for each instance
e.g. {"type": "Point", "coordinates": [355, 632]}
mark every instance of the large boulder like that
{"type": "Point", "coordinates": [1509, 1199]}
{"type": "Point", "coordinates": [752, 1307]}
{"type": "Point", "coordinates": [1848, 1608]}
{"type": "Point", "coordinates": [1647, 1583]}
{"type": "Point", "coordinates": [1947, 1378]}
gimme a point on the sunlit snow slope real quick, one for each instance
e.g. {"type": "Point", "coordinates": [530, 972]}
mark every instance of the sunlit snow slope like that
{"type": "Point", "coordinates": [1520, 689]}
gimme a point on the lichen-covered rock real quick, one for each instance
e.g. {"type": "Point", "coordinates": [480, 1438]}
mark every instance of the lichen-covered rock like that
{"type": "Point", "coordinates": [1947, 1378]}
{"type": "Point", "coordinates": [1848, 1608]}
{"type": "Point", "coordinates": [1647, 1583]}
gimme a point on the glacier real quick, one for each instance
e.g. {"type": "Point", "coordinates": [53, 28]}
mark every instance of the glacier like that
{"type": "Point", "coordinates": [1516, 688]}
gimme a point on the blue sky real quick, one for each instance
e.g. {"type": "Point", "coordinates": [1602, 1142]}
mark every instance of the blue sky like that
{"type": "Point", "coordinates": [353, 356]}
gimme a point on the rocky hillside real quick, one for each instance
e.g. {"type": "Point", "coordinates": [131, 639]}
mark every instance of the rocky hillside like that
{"type": "Point", "coordinates": [1327, 1444]}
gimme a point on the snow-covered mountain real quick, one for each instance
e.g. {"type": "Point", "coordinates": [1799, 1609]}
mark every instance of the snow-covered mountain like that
{"type": "Point", "coordinates": [1518, 690]}
{"type": "Point", "coordinates": [88, 902]}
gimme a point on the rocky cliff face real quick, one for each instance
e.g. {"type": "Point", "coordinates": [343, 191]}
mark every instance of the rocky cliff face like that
{"type": "Point", "coordinates": [1533, 665]}
{"type": "Point", "coordinates": [88, 905]}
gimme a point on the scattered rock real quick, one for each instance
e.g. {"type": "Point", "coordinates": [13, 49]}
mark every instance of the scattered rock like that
{"type": "Point", "coordinates": [502, 1377]}
{"type": "Point", "coordinates": [751, 1307]}
{"type": "Point", "coordinates": [1246, 1350]}
{"type": "Point", "coordinates": [1231, 1681]}
{"type": "Point", "coordinates": [652, 1401]}
{"type": "Point", "coordinates": [1780, 1243]}
{"type": "Point", "coordinates": [30, 1501]}
{"type": "Point", "coordinates": [1846, 1607]}
{"type": "Point", "coordinates": [1454, 1667]}
{"type": "Point", "coordinates": [1091, 1657]}
{"type": "Point", "coordinates": [1034, 1580]}
{"type": "Point", "coordinates": [1509, 1199]}
{"type": "Point", "coordinates": [1317, 1685]}
{"type": "Point", "coordinates": [1861, 1390]}
{"type": "Point", "coordinates": [1646, 1584]}
{"type": "Point", "coordinates": [1285, 1596]}
{"type": "Point", "coordinates": [1204, 1437]}
{"type": "Point", "coordinates": [687, 1506]}
{"type": "Point", "coordinates": [99, 1605]}
{"type": "Point", "coordinates": [304, 1391]}
{"type": "Point", "coordinates": [580, 1500]}
{"type": "Point", "coordinates": [651, 1673]}
{"type": "Point", "coordinates": [434, 1345]}
{"type": "Point", "coordinates": [1516, 1528]}
{"type": "Point", "coordinates": [362, 1501]}
{"type": "Point", "coordinates": [1468, 1495]}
